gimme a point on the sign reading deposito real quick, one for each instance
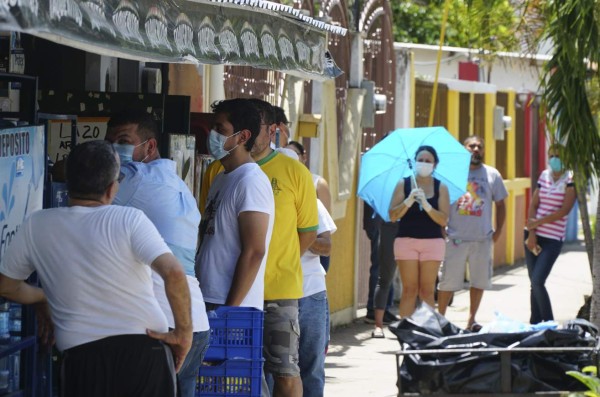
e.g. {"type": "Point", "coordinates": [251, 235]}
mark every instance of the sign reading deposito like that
{"type": "Point", "coordinates": [21, 180]}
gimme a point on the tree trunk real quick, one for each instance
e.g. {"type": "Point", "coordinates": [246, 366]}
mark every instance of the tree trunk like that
{"type": "Point", "coordinates": [585, 224]}
{"type": "Point", "coordinates": [595, 307]}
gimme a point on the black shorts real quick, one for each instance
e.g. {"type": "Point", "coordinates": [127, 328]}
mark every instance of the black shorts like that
{"type": "Point", "coordinates": [119, 366]}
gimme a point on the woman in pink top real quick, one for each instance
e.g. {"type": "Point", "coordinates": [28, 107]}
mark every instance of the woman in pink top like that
{"type": "Point", "coordinates": [546, 229]}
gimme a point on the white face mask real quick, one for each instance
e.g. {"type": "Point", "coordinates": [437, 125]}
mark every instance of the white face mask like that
{"type": "Point", "coordinates": [424, 169]}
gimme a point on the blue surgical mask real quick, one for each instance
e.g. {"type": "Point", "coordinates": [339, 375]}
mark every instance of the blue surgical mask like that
{"type": "Point", "coordinates": [125, 151]}
{"type": "Point", "coordinates": [555, 164]}
{"type": "Point", "coordinates": [216, 144]}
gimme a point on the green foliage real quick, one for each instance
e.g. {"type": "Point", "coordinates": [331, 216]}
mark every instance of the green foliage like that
{"type": "Point", "coordinates": [484, 24]}
{"type": "Point", "coordinates": [589, 377]}
{"type": "Point", "coordinates": [573, 27]}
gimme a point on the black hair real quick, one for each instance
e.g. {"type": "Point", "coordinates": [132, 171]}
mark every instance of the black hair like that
{"type": "Point", "coordinates": [91, 167]}
{"type": "Point", "coordinates": [429, 149]}
{"type": "Point", "coordinates": [473, 138]}
{"type": "Point", "coordinates": [298, 146]}
{"type": "Point", "coordinates": [267, 113]}
{"type": "Point", "coordinates": [280, 116]}
{"type": "Point", "coordinates": [146, 126]}
{"type": "Point", "coordinates": [242, 114]}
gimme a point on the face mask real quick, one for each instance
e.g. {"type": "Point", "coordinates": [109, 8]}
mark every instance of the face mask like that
{"type": "Point", "coordinates": [555, 164]}
{"type": "Point", "coordinates": [216, 144]}
{"type": "Point", "coordinates": [125, 151]}
{"type": "Point", "coordinates": [424, 169]}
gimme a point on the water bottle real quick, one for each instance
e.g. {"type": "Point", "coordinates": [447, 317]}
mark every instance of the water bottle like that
{"type": "Point", "coordinates": [4, 375]}
{"type": "Point", "coordinates": [4, 327]}
{"type": "Point", "coordinates": [14, 380]}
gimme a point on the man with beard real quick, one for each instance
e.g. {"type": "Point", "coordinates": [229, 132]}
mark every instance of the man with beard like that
{"type": "Point", "coordinates": [471, 235]}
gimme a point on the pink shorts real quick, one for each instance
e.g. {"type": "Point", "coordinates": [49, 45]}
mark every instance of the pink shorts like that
{"type": "Point", "coordinates": [419, 249]}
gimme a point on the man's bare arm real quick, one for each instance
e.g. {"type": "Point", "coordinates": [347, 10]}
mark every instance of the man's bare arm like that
{"type": "Point", "coordinates": [322, 245]}
{"type": "Point", "coordinates": [306, 240]}
{"type": "Point", "coordinates": [19, 291]}
{"type": "Point", "coordinates": [253, 234]}
{"type": "Point", "coordinates": [178, 294]}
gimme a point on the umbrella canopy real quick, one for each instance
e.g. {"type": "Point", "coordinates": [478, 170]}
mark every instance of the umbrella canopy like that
{"type": "Point", "coordinates": [393, 158]}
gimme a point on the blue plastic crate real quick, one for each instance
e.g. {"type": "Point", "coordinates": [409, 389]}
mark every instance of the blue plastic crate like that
{"type": "Point", "coordinates": [230, 378]}
{"type": "Point", "coordinates": [235, 333]}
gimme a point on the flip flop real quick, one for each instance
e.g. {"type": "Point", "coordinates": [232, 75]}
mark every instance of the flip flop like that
{"type": "Point", "coordinates": [475, 327]}
{"type": "Point", "coordinates": [377, 333]}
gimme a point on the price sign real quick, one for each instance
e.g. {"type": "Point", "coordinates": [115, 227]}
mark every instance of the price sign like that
{"type": "Point", "coordinates": [59, 138]}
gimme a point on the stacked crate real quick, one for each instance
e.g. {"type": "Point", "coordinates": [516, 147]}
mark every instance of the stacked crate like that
{"type": "Point", "coordinates": [233, 363]}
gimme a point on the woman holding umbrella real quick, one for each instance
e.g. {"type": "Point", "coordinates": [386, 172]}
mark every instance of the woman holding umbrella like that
{"type": "Point", "coordinates": [422, 203]}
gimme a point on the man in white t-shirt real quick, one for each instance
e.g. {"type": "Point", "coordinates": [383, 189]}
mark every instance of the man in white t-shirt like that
{"type": "Point", "coordinates": [151, 184]}
{"type": "Point", "coordinates": [238, 218]}
{"type": "Point", "coordinates": [93, 261]}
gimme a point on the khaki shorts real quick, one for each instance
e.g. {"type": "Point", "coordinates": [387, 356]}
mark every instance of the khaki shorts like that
{"type": "Point", "coordinates": [281, 338]}
{"type": "Point", "coordinates": [478, 254]}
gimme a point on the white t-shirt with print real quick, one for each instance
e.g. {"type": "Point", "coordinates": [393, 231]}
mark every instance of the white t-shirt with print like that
{"type": "Point", "coordinates": [93, 264]}
{"type": "Point", "coordinates": [312, 271]}
{"type": "Point", "coordinates": [471, 215]}
{"type": "Point", "coordinates": [244, 189]}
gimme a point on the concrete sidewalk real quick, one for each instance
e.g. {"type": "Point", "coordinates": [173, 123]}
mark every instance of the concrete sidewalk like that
{"type": "Point", "coordinates": [358, 365]}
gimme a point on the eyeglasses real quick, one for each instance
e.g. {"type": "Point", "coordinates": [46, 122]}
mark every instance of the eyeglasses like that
{"type": "Point", "coordinates": [120, 177]}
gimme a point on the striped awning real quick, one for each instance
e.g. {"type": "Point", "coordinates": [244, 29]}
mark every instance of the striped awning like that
{"type": "Point", "coordinates": [254, 33]}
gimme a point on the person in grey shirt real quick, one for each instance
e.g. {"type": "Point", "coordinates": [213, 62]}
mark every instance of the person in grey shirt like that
{"type": "Point", "coordinates": [471, 235]}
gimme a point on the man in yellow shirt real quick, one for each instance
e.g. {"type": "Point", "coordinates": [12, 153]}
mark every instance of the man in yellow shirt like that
{"type": "Point", "coordinates": [295, 229]}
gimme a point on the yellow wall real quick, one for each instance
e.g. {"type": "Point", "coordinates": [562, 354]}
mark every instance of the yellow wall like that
{"type": "Point", "coordinates": [340, 279]}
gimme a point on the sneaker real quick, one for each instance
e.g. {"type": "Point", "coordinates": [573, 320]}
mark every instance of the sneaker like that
{"type": "Point", "coordinates": [389, 318]}
{"type": "Point", "coordinates": [370, 317]}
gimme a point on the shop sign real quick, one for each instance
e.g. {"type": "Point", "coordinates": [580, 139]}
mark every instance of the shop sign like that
{"type": "Point", "coordinates": [21, 178]}
{"type": "Point", "coordinates": [181, 31]}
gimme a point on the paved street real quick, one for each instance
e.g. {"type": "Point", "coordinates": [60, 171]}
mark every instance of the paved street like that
{"type": "Point", "coordinates": [358, 365]}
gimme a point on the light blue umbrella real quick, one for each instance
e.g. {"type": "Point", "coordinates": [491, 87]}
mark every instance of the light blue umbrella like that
{"type": "Point", "coordinates": [393, 158]}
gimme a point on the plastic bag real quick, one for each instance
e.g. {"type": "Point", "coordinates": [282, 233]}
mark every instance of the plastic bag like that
{"type": "Point", "coordinates": [480, 372]}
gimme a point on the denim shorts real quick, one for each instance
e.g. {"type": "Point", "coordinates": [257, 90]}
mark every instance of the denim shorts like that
{"type": "Point", "coordinates": [281, 338]}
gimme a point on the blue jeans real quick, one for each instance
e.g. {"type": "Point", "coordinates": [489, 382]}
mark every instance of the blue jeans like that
{"type": "Point", "coordinates": [313, 315]}
{"type": "Point", "coordinates": [186, 378]}
{"type": "Point", "coordinates": [539, 268]}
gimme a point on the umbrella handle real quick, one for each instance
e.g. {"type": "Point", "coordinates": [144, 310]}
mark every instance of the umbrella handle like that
{"type": "Point", "coordinates": [414, 183]}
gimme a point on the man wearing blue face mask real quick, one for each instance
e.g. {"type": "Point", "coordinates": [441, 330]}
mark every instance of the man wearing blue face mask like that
{"type": "Point", "coordinates": [152, 185]}
{"type": "Point", "coordinates": [238, 217]}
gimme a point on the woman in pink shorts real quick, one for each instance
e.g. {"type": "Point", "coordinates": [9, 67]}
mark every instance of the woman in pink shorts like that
{"type": "Point", "coordinates": [419, 246]}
